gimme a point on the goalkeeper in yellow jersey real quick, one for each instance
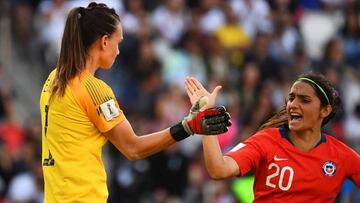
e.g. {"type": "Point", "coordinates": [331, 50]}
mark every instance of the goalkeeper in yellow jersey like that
{"type": "Point", "coordinates": [79, 112]}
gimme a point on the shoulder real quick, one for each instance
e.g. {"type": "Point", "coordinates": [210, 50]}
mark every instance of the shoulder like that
{"type": "Point", "coordinates": [92, 83]}
{"type": "Point", "coordinates": [335, 142]}
{"type": "Point", "coordinates": [51, 76]}
{"type": "Point", "coordinates": [336, 145]}
{"type": "Point", "coordinates": [86, 85]}
{"type": "Point", "coordinates": [47, 83]}
{"type": "Point", "coordinates": [269, 135]}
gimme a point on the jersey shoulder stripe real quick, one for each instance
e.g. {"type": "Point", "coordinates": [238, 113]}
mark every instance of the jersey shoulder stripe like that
{"type": "Point", "coordinates": [98, 91]}
{"type": "Point", "coordinates": [97, 101]}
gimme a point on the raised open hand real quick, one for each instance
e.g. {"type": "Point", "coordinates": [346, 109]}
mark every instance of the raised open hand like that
{"type": "Point", "coordinates": [196, 90]}
{"type": "Point", "coordinates": [204, 117]}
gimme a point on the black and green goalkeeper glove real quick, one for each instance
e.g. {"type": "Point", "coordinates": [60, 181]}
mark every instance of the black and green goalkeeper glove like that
{"type": "Point", "coordinates": [211, 121]}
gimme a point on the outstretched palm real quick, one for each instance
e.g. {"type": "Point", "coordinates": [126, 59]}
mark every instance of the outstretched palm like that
{"type": "Point", "coordinates": [195, 91]}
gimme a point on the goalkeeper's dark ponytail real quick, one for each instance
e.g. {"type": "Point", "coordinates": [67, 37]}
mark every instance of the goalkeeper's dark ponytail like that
{"type": "Point", "coordinates": [83, 27]}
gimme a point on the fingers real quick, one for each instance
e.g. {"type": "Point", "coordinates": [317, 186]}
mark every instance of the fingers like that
{"type": "Point", "coordinates": [219, 130]}
{"type": "Point", "coordinates": [195, 90]}
{"type": "Point", "coordinates": [215, 111]}
{"type": "Point", "coordinates": [195, 87]}
{"type": "Point", "coordinates": [188, 87]}
{"type": "Point", "coordinates": [215, 92]}
{"type": "Point", "coordinates": [197, 84]}
{"type": "Point", "coordinates": [191, 85]}
{"type": "Point", "coordinates": [189, 91]}
{"type": "Point", "coordinates": [218, 119]}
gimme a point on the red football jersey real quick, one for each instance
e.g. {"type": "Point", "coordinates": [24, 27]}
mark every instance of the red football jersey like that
{"type": "Point", "coordinates": [285, 174]}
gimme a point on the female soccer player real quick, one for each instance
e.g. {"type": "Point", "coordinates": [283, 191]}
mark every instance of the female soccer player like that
{"type": "Point", "coordinates": [80, 113]}
{"type": "Point", "coordinates": [294, 161]}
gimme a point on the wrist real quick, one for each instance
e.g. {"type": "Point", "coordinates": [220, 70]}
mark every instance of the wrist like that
{"type": "Point", "coordinates": [178, 132]}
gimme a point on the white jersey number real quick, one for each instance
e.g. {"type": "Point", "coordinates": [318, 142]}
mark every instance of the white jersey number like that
{"type": "Point", "coordinates": [281, 171]}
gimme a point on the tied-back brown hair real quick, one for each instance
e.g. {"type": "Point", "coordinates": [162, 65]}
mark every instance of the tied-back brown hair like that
{"type": "Point", "coordinates": [321, 86]}
{"type": "Point", "coordinates": [83, 27]}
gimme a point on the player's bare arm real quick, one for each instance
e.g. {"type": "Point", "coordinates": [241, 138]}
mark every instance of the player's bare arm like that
{"type": "Point", "coordinates": [136, 147]}
{"type": "Point", "coordinates": [218, 166]}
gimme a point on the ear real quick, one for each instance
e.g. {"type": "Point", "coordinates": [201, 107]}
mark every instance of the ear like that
{"type": "Point", "coordinates": [325, 111]}
{"type": "Point", "coordinates": [104, 41]}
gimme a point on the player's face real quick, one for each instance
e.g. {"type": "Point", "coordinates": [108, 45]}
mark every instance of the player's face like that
{"type": "Point", "coordinates": [303, 108]}
{"type": "Point", "coordinates": [110, 47]}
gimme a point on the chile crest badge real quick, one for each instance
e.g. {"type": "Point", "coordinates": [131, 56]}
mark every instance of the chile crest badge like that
{"type": "Point", "coordinates": [329, 168]}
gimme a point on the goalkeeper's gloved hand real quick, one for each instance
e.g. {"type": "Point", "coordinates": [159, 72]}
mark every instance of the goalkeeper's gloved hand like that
{"type": "Point", "coordinates": [211, 121]}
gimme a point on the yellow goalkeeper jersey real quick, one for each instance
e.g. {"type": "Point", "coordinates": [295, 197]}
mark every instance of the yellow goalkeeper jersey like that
{"type": "Point", "coordinates": [72, 139]}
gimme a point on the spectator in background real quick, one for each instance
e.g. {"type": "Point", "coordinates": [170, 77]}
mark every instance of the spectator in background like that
{"type": "Point", "coordinates": [23, 26]}
{"type": "Point", "coordinates": [23, 189]}
{"type": "Point", "coordinates": [233, 37]}
{"type": "Point", "coordinates": [310, 4]}
{"type": "Point", "coordinates": [187, 59]}
{"type": "Point", "coordinates": [286, 38]}
{"type": "Point", "coordinates": [216, 57]}
{"type": "Point", "coordinates": [197, 178]}
{"type": "Point", "coordinates": [248, 90]}
{"type": "Point", "coordinates": [52, 17]}
{"type": "Point", "coordinates": [11, 133]}
{"type": "Point", "coordinates": [350, 87]}
{"type": "Point", "coordinates": [169, 167]}
{"type": "Point", "coordinates": [333, 57]}
{"type": "Point", "coordinates": [253, 16]}
{"type": "Point", "coordinates": [14, 158]}
{"type": "Point", "coordinates": [212, 16]}
{"type": "Point", "coordinates": [350, 35]}
{"type": "Point", "coordinates": [5, 105]}
{"type": "Point", "coordinates": [259, 53]}
{"type": "Point", "coordinates": [352, 128]}
{"type": "Point", "coordinates": [169, 21]}
{"type": "Point", "coordinates": [231, 34]}
{"type": "Point", "coordinates": [134, 18]}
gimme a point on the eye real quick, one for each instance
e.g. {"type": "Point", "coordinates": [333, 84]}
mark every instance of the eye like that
{"type": "Point", "coordinates": [306, 100]}
{"type": "Point", "coordinates": [291, 98]}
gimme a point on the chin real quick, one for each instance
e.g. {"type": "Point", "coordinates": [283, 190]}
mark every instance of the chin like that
{"type": "Point", "coordinates": [105, 67]}
{"type": "Point", "coordinates": [294, 127]}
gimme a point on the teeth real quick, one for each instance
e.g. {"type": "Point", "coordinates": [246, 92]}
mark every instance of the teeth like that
{"type": "Point", "coordinates": [296, 118]}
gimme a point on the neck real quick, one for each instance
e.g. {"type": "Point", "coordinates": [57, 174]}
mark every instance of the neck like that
{"type": "Point", "coordinates": [305, 141]}
{"type": "Point", "coordinates": [91, 65]}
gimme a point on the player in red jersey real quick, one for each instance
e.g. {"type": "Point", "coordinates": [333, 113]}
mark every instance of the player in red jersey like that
{"type": "Point", "coordinates": [294, 161]}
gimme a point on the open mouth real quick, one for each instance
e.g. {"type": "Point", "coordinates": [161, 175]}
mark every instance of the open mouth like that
{"type": "Point", "coordinates": [295, 117]}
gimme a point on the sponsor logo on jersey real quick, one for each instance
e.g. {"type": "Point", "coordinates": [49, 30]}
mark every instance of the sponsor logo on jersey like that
{"type": "Point", "coordinates": [109, 110]}
{"type": "Point", "coordinates": [49, 161]}
{"type": "Point", "coordinates": [329, 168]}
{"type": "Point", "coordinates": [279, 159]}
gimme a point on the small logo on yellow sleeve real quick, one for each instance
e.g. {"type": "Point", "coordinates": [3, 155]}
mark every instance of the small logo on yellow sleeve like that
{"type": "Point", "coordinates": [109, 110]}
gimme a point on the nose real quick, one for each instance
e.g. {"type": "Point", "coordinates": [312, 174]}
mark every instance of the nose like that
{"type": "Point", "coordinates": [293, 104]}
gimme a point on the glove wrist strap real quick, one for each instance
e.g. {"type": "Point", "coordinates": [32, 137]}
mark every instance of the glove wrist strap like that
{"type": "Point", "coordinates": [178, 132]}
{"type": "Point", "coordinates": [186, 127]}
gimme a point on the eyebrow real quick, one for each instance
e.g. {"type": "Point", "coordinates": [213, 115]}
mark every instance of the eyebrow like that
{"type": "Point", "coordinates": [299, 95]}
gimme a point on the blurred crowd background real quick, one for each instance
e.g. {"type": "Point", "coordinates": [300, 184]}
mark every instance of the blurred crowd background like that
{"type": "Point", "coordinates": [253, 48]}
